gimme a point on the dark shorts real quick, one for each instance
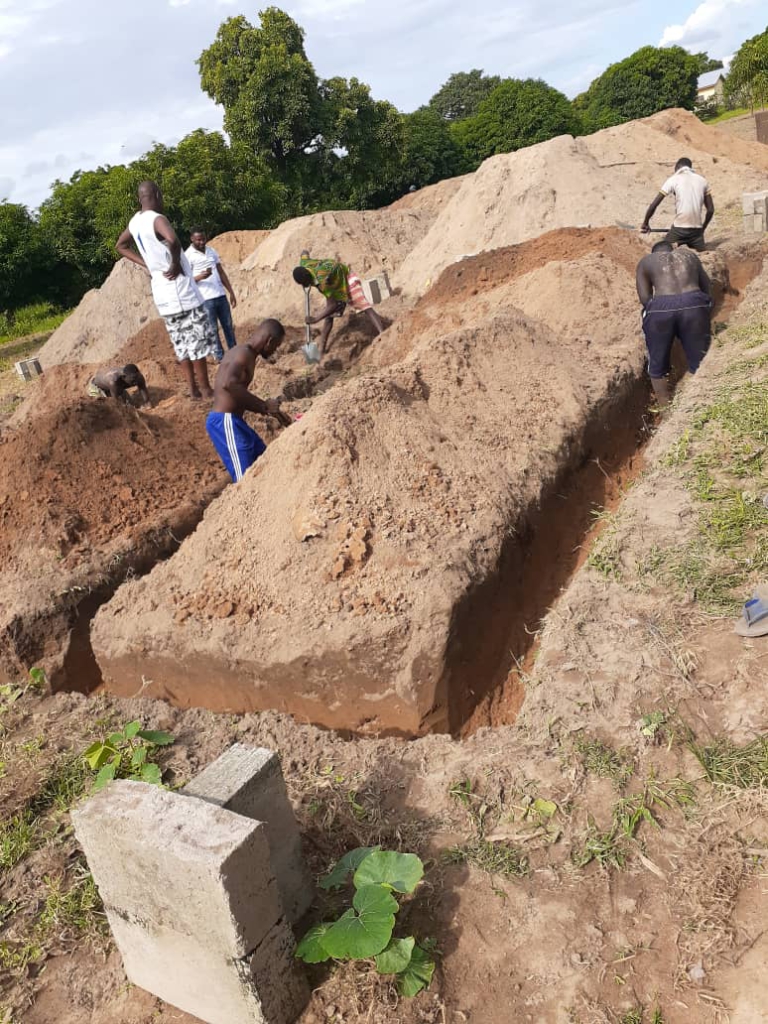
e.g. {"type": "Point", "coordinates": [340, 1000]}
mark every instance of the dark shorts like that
{"type": "Point", "coordinates": [686, 317]}
{"type": "Point", "coordinates": [692, 237]}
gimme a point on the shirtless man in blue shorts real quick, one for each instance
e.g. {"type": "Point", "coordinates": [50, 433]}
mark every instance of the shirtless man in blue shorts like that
{"type": "Point", "coordinates": [237, 444]}
{"type": "Point", "coordinates": [675, 292]}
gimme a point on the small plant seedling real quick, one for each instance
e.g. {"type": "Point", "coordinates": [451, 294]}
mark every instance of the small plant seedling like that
{"type": "Point", "coordinates": [125, 755]}
{"type": "Point", "coordinates": [651, 723]}
{"type": "Point", "coordinates": [364, 931]}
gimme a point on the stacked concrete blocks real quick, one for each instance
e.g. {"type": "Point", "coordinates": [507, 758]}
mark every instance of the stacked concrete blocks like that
{"type": "Point", "coordinates": [193, 901]}
{"type": "Point", "coordinates": [249, 781]}
{"type": "Point", "coordinates": [755, 211]}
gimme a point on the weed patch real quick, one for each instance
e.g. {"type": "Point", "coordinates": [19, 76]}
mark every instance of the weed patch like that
{"type": "Point", "coordinates": [600, 759]}
{"type": "Point", "coordinates": [727, 764]}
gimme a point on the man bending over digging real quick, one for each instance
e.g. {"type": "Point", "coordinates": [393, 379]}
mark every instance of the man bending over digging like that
{"type": "Point", "coordinates": [116, 382]}
{"type": "Point", "coordinates": [239, 446]}
{"type": "Point", "coordinates": [339, 285]}
{"type": "Point", "coordinates": [176, 295]}
{"type": "Point", "coordinates": [676, 296]}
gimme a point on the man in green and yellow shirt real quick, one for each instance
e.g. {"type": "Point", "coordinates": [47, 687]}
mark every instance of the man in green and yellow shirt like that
{"type": "Point", "coordinates": [339, 285]}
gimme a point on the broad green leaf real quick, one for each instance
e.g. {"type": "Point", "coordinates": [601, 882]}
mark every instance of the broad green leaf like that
{"type": "Point", "coordinates": [157, 739]}
{"type": "Point", "coordinates": [311, 949]}
{"type": "Point", "coordinates": [400, 871]}
{"type": "Point", "coordinates": [37, 677]}
{"type": "Point", "coordinates": [396, 957]}
{"type": "Point", "coordinates": [367, 929]}
{"type": "Point", "coordinates": [98, 754]}
{"type": "Point", "coordinates": [131, 729]}
{"type": "Point", "coordinates": [138, 757]}
{"type": "Point", "coordinates": [151, 773]}
{"type": "Point", "coordinates": [418, 973]}
{"type": "Point", "coordinates": [546, 808]}
{"type": "Point", "coordinates": [348, 863]}
{"type": "Point", "coordinates": [115, 738]}
{"type": "Point", "coordinates": [106, 775]}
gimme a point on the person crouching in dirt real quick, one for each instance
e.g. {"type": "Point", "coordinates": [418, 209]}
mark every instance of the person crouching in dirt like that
{"type": "Point", "coordinates": [676, 295]}
{"type": "Point", "coordinates": [339, 285]}
{"type": "Point", "coordinates": [694, 206]}
{"type": "Point", "coordinates": [176, 295]}
{"type": "Point", "coordinates": [237, 444]}
{"type": "Point", "coordinates": [115, 383]}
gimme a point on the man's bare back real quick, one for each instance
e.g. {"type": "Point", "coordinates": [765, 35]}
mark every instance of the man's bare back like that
{"type": "Point", "coordinates": [670, 272]}
{"type": "Point", "coordinates": [234, 375]}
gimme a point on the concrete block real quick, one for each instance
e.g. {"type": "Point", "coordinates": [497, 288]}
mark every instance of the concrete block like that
{"type": "Point", "coordinates": [377, 289]}
{"type": "Point", "coordinates": [267, 987]}
{"type": "Point", "coordinates": [179, 865]}
{"type": "Point", "coordinates": [249, 781]}
{"type": "Point", "coordinates": [753, 202]}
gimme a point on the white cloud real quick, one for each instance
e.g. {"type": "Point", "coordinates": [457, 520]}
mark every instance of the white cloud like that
{"type": "Point", "coordinates": [710, 24]}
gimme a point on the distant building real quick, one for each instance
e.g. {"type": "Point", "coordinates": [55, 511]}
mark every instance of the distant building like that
{"type": "Point", "coordinates": [711, 87]}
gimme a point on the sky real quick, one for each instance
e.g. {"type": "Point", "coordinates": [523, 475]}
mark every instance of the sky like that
{"type": "Point", "coordinates": [93, 82]}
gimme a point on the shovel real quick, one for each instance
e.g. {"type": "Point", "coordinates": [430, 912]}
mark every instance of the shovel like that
{"type": "Point", "coordinates": [633, 227]}
{"type": "Point", "coordinates": [310, 349]}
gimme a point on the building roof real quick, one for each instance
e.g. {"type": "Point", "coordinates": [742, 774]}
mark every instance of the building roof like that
{"type": "Point", "coordinates": [711, 78]}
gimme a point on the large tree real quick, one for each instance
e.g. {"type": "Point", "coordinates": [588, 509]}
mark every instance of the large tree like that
{"type": "Point", "coordinates": [25, 258]}
{"type": "Point", "coordinates": [463, 93]}
{"type": "Point", "coordinates": [517, 113]}
{"type": "Point", "coordinates": [651, 79]}
{"type": "Point", "coordinates": [748, 73]}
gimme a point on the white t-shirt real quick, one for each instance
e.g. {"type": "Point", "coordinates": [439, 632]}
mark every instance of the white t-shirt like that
{"type": "Point", "coordinates": [689, 190]}
{"type": "Point", "coordinates": [210, 287]}
{"type": "Point", "coordinates": [170, 297]}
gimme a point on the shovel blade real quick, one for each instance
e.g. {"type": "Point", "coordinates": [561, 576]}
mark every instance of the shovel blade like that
{"type": "Point", "coordinates": [311, 352]}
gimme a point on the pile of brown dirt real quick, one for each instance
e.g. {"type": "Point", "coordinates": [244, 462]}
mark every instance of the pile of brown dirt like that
{"type": "Point", "coordinates": [389, 506]}
{"type": "Point", "coordinates": [105, 319]}
{"type": "Point", "coordinates": [235, 246]}
{"type": "Point", "coordinates": [88, 490]}
{"type": "Point", "coordinates": [430, 199]}
{"type": "Point", "coordinates": [601, 179]}
{"type": "Point", "coordinates": [688, 131]}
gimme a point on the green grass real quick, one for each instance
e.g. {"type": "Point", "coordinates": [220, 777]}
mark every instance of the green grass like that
{"type": "Point", "coordinates": [726, 115]}
{"type": "Point", "coordinates": [39, 318]}
{"type": "Point", "coordinates": [77, 908]}
{"type": "Point", "coordinates": [18, 836]}
{"type": "Point", "coordinates": [727, 764]}
{"type": "Point", "coordinates": [496, 858]}
{"type": "Point", "coordinates": [600, 759]}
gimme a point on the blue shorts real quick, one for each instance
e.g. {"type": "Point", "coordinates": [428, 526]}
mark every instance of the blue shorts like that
{"type": "Point", "coordinates": [238, 446]}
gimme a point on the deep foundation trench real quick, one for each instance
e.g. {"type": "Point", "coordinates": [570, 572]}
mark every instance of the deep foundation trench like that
{"type": "Point", "coordinates": [494, 633]}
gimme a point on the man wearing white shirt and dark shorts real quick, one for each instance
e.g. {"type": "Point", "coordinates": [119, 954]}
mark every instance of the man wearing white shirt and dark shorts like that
{"type": "Point", "coordinates": [694, 207]}
{"type": "Point", "coordinates": [176, 295]}
{"type": "Point", "coordinates": [211, 278]}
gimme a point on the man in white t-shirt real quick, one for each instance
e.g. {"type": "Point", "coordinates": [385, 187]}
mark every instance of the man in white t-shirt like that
{"type": "Point", "coordinates": [694, 207]}
{"type": "Point", "coordinates": [211, 278]}
{"type": "Point", "coordinates": [150, 242]}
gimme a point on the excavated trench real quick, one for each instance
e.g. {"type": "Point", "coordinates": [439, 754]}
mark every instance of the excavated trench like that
{"type": "Point", "coordinates": [494, 631]}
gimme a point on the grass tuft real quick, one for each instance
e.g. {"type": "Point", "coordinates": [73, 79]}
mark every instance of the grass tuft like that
{"type": "Point", "coordinates": [600, 759]}
{"type": "Point", "coordinates": [727, 764]}
{"type": "Point", "coordinates": [496, 858]}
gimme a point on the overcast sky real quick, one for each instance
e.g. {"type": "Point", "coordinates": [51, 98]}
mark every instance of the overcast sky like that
{"type": "Point", "coordinates": [89, 82]}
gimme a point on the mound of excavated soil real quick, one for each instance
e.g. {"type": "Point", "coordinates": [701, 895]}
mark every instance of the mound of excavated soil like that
{"type": "Point", "coordinates": [105, 319]}
{"type": "Point", "coordinates": [597, 180]}
{"type": "Point", "coordinates": [690, 133]}
{"type": "Point", "coordinates": [235, 246]}
{"type": "Point", "coordinates": [88, 490]}
{"type": "Point", "coordinates": [431, 199]}
{"type": "Point", "coordinates": [389, 508]}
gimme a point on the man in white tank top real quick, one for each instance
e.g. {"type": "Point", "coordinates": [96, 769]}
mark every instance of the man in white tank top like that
{"type": "Point", "coordinates": [150, 242]}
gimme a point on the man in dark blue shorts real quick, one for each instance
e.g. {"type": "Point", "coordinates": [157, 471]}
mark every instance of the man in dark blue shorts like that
{"type": "Point", "coordinates": [237, 444]}
{"type": "Point", "coordinates": [676, 296]}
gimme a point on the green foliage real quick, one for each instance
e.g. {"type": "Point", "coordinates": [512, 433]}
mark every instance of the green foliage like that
{"type": "Point", "coordinates": [496, 858]}
{"type": "Point", "coordinates": [600, 759]}
{"type": "Point", "coordinates": [728, 764]}
{"type": "Point", "coordinates": [460, 97]}
{"type": "Point", "coordinates": [517, 113]}
{"type": "Point", "coordinates": [126, 755]}
{"type": "Point", "coordinates": [25, 257]}
{"type": "Point", "coordinates": [365, 929]}
{"type": "Point", "coordinates": [37, 318]}
{"type": "Point", "coordinates": [747, 79]}
{"type": "Point", "coordinates": [430, 152]}
{"type": "Point", "coordinates": [651, 79]}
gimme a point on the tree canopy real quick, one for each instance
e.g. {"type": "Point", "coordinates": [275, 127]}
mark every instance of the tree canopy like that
{"type": "Point", "coordinates": [748, 73]}
{"type": "Point", "coordinates": [651, 79]}
{"type": "Point", "coordinates": [463, 93]}
{"type": "Point", "coordinates": [517, 113]}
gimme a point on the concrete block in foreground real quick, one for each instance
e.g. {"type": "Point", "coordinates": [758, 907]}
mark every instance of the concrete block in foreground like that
{"type": "Point", "coordinates": [193, 903]}
{"type": "Point", "coordinates": [249, 781]}
{"type": "Point", "coordinates": [173, 863]}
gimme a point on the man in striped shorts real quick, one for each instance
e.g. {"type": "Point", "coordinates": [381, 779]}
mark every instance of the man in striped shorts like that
{"type": "Point", "coordinates": [237, 444]}
{"type": "Point", "coordinates": [339, 285]}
